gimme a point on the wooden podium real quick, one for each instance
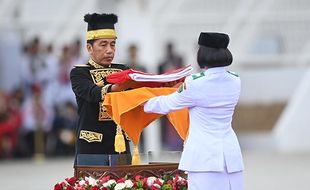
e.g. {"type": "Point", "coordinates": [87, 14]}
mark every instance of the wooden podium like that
{"type": "Point", "coordinates": [116, 172]}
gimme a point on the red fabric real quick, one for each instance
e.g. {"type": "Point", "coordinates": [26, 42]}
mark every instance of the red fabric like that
{"type": "Point", "coordinates": [9, 128]}
{"type": "Point", "coordinates": [123, 77]}
{"type": "Point", "coordinates": [120, 77]}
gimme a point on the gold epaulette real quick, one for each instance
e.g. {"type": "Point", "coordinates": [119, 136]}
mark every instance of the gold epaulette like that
{"type": "Point", "coordinates": [81, 65]}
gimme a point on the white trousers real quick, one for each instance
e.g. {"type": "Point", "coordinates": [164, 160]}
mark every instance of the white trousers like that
{"type": "Point", "coordinates": [215, 180]}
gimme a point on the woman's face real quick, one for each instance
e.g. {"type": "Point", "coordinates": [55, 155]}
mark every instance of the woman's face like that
{"type": "Point", "coordinates": [102, 51]}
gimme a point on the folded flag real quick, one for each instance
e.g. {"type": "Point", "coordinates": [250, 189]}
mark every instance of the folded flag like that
{"type": "Point", "coordinates": [148, 79]}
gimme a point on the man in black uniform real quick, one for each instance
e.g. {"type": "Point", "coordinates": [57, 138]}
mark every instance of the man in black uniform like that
{"type": "Point", "coordinates": [96, 130]}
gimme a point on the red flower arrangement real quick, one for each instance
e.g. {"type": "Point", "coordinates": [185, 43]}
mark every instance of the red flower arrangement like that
{"type": "Point", "coordinates": [138, 183]}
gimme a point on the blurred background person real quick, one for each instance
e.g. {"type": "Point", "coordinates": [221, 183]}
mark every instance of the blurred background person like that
{"type": "Point", "coordinates": [50, 88]}
{"type": "Point", "coordinates": [172, 60]}
{"type": "Point", "coordinates": [10, 122]}
{"type": "Point", "coordinates": [133, 58]}
{"type": "Point", "coordinates": [133, 62]}
{"type": "Point", "coordinates": [36, 124]}
{"type": "Point", "coordinates": [64, 130]}
{"type": "Point", "coordinates": [77, 56]}
{"type": "Point", "coordinates": [35, 70]}
{"type": "Point", "coordinates": [63, 85]}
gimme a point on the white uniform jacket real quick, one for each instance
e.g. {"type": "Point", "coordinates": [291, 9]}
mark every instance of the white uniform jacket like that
{"type": "Point", "coordinates": [211, 97]}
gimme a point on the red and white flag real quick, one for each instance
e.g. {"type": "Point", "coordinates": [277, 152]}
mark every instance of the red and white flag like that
{"type": "Point", "coordinates": [148, 79]}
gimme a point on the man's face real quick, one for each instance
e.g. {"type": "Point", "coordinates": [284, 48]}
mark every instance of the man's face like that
{"type": "Point", "coordinates": [102, 51]}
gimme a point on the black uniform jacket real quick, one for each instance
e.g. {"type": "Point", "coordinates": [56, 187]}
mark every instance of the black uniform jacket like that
{"type": "Point", "coordinates": [96, 130]}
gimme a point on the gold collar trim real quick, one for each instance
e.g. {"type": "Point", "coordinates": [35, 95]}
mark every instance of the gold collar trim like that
{"type": "Point", "coordinates": [94, 64]}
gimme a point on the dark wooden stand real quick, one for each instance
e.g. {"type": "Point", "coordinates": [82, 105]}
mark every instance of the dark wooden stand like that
{"type": "Point", "coordinates": [116, 172]}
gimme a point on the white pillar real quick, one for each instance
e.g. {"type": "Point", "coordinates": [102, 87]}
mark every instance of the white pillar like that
{"type": "Point", "coordinates": [293, 128]}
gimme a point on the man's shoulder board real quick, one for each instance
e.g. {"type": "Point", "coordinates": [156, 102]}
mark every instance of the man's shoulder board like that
{"type": "Point", "coordinates": [233, 73]}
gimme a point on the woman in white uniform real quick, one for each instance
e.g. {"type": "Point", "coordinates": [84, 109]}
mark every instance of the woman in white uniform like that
{"type": "Point", "coordinates": [211, 155]}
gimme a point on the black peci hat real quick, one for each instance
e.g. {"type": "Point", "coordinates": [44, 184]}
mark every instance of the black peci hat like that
{"type": "Point", "coordinates": [100, 26]}
{"type": "Point", "coordinates": [213, 50]}
{"type": "Point", "coordinates": [213, 40]}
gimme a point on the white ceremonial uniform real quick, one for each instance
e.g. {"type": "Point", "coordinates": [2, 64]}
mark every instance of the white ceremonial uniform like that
{"type": "Point", "coordinates": [211, 152]}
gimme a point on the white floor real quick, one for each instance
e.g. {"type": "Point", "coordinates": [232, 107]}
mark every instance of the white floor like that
{"type": "Point", "coordinates": [34, 175]}
{"type": "Point", "coordinates": [273, 171]}
{"type": "Point", "coordinates": [265, 170]}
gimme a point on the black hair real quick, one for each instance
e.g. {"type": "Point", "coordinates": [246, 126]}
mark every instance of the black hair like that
{"type": "Point", "coordinates": [213, 57]}
{"type": "Point", "coordinates": [91, 42]}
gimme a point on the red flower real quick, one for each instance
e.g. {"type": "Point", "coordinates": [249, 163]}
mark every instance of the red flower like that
{"type": "Point", "coordinates": [176, 178]}
{"type": "Point", "coordinates": [138, 177]}
{"type": "Point", "coordinates": [71, 180]}
{"type": "Point", "coordinates": [157, 181]}
{"type": "Point", "coordinates": [104, 179]}
{"type": "Point", "coordinates": [134, 184]}
{"type": "Point", "coordinates": [153, 187]}
{"type": "Point", "coordinates": [57, 187]}
{"type": "Point", "coordinates": [95, 188]}
{"type": "Point", "coordinates": [122, 180]}
{"type": "Point", "coordinates": [168, 182]}
{"type": "Point", "coordinates": [144, 183]}
{"type": "Point", "coordinates": [70, 188]}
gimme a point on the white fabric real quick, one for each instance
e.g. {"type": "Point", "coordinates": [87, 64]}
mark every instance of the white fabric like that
{"type": "Point", "coordinates": [166, 77]}
{"type": "Point", "coordinates": [211, 97]}
{"type": "Point", "coordinates": [215, 181]}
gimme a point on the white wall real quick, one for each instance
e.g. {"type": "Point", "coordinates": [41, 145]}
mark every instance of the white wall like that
{"type": "Point", "coordinates": [268, 85]}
